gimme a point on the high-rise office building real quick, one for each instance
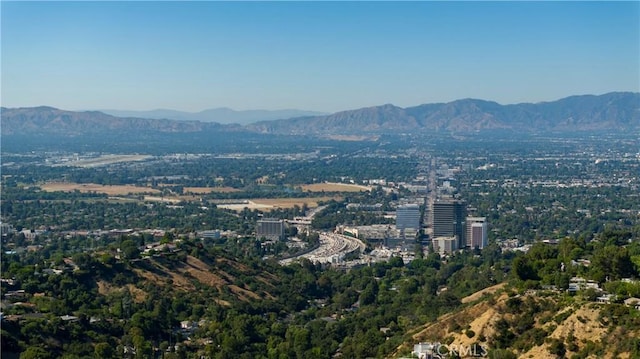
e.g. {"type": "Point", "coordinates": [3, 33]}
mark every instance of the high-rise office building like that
{"type": "Point", "coordinates": [477, 226]}
{"type": "Point", "coordinates": [270, 228]}
{"type": "Point", "coordinates": [476, 232]}
{"type": "Point", "coordinates": [449, 220]}
{"type": "Point", "coordinates": [408, 217]}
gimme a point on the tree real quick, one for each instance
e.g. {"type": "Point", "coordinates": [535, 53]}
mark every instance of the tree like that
{"type": "Point", "coordinates": [396, 261]}
{"type": "Point", "coordinates": [35, 353]}
{"type": "Point", "coordinates": [129, 249]}
{"type": "Point", "coordinates": [103, 350]}
{"type": "Point", "coordinates": [557, 348]}
{"type": "Point", "coordinates": [368, 295]}
{"type": "Point", "coordinates": [613, 262]}
{"type": "Point", "coordinates": [523, 269]}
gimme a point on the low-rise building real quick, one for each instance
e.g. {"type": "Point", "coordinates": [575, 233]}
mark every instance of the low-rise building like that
{"type": "Point", "coordinates": [426, 350]}
{"type": "Point", "coordinates": [270, 228]}
{"type": "Point", "coordinates": [445, 245]}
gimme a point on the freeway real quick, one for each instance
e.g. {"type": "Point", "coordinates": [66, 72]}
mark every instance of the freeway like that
{"type": "Point", "coordinates": [333, 247]}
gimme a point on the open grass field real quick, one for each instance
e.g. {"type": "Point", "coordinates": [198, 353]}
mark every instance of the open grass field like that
{"type": "Point", "coordinates": [114, 190]}
{"type": "Point", "coordinates": [334, 187]}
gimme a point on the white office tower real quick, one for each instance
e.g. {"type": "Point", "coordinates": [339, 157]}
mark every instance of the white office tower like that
{"type": "Point", "coordinates": [445, 245]}
{"type": "Point", "coordinates": [476, 232]}
{"type": "Point", "coordinates": [408, 217]}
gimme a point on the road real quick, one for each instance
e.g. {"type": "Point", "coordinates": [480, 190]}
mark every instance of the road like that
{"type": "Point", "coordinates": [333, 247]}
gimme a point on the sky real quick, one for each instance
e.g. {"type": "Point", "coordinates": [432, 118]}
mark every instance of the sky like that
{"type": "Point", "coordinates": [321, 56]}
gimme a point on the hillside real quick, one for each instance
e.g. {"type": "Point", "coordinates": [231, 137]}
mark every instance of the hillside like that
{"type": "Point", "coordinates": [189, 274]}
{"type": "Point", "coordinates": [536, 324]}
{"type": "Point", "coordinates": [612, 111]}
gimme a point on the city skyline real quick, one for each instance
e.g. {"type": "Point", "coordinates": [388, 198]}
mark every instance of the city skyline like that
{"type": "Point", "coordinates": [321, 56]}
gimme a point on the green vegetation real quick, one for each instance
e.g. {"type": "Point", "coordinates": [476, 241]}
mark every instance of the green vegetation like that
{"type": "Point", "coordinates": [303, 310]}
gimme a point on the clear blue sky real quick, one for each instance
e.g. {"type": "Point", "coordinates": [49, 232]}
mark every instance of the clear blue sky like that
{"type": "Point", "coordinates": [325, 56]}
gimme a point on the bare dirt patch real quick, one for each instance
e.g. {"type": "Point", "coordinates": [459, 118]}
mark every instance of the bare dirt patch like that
{"type": "Point", "coordinates": [242, 293]}
{"type": "Point", "coordinates": [311, 202]}
{"type": "Point", "coordinates": [111, 190]}
{"type": "Point", "coordinates": [178, 281]}
{"type": "Point", "coordinates": [334, 187]}
{"type": "Point", "coordinates": [583, 324]}
{"type": "Point", "coordinates": [480, 317]}
{"type": "Point", "coordinates": [205, 190]}
{"type": "Point", "coordinates": [477, 295]}
{"type": "Point", "coordinates": [183, 275]}
{"type": "Point", "coordinates": [235, 265]}
{"type": "Point", "coordinates": [139, 295]}
{"type": "Point", "coordinates": [202, 272]}
{"type": "Point", "coordinates": [267, 204]}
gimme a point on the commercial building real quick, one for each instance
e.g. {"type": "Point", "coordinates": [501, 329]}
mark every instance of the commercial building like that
{"type": "Point", "coordinates": [210, 234]}
{"type": "Point", "coordinates": [449, 220]}
{"type": "Point", "coordinates": [408, 217]}
{"type": "Point", "coordinates": [270, 228]}
{"type": "Point", "coordinates": [445, 245]}
{"type": "Point", "coordinates": [476, 232]}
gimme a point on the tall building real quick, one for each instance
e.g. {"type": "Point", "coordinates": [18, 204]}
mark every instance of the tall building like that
{"type": "Point", "coordinates": [408, 217]}
{"type": "Point", "coordinates": [476, 232]}
{"type": "Point", "coordinates": [270, 228]}
{"type": "Point", "coordinates": [449, 220]}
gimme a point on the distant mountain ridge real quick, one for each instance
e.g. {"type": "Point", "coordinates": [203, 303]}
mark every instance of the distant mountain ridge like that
{"type": "Point", "coordinates": [612, 111]}
{"type": "Point", "coordinates": [50, 120]}
{"type": "Point", "coordinates": [615, 111]}
{"type": "Point", "coordinates": [222, 115]}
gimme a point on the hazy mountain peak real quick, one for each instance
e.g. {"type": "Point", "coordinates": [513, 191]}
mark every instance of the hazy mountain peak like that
{"type": "Point", "coordinates": [223, 115]}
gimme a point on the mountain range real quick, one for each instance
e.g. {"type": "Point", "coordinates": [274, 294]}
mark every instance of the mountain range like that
{"type": "Point", "coordinates": [616, 111]}
{"type": "Point", "coordinates": [49, 120]}
{"type": "Point", "coordinates": [611, 111]}
{"type": "Point", "coordinates": [221, 115]}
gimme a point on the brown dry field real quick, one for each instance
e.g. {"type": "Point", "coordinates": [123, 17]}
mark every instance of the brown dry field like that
{"type": "Point", "coordinates": [98, 188]}
{"type": "Point", "coordinates": [204, 190]}
{"type": "Point", "coordinates": [267, 204]}
{"type": "Point", "coordinates": [334, 187]}
{"type": "Point", "coordinates": [477, 295]}
{"type": "Point", "coordinates": [106, 288]}
{"type": "Point", "coordinates": [262, 203]}
{"type": "Point", "coordinates": [291, 202]}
